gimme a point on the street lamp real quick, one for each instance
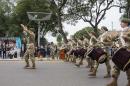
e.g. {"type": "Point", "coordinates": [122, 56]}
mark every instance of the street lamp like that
{"type": "Point", "coordinates": [38, 17]}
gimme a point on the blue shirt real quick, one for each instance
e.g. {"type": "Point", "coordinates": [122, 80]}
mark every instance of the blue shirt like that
{"type": "Point", "coordinates": [18, 42]}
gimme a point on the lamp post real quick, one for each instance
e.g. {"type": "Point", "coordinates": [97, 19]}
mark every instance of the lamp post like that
{"type": "Point", "coordinates": [112, 25]}
{"type": "Point", "coordinates": [39, 34]}
{"type": "Point", "coordinates": [38, 17]}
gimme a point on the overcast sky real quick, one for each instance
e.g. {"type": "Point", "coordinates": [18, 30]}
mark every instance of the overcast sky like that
{"type": "Point", "coordinates": [111, 21]}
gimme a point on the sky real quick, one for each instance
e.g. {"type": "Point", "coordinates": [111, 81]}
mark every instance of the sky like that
{"type": "Point", "coordinates": [111, 21]}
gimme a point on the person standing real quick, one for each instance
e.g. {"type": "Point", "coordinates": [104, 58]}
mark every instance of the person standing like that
{"type": "Point", "coordinates": [18, 47]}
{"type": "Point", "coordinates": [30, 37]}
{"type": "Point", "coordinates": [52, 48]}
{"type": "Point", "coordinates": [4, 49]}
{"type": "Point", "coordinates": [23, 49]}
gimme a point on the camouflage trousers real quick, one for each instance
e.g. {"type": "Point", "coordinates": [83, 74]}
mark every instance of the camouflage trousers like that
{"type": "Point", "coordinates": [116, 72]}
{"type": "Point", "coordinates": [29, 54]}
{"type": "Point", "coordinates": [107, 62]}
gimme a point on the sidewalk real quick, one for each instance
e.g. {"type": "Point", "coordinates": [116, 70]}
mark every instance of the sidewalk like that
{"type": "Point", "coordinates": [19, 59]}
{"type": "Point", "coordinates": [15, 59]}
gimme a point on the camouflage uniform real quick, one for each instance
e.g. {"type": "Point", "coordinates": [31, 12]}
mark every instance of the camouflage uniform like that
{"type": "Point", "coordinates": [30, 50]}
{"type": "Point", "coordinates": [107, 62]}
{"type": "Point", "coordinates": [91, 63]}
{"type": "Point", "coordinates": [116, 70]}
{"type": "Point", "coordinates": [71, 47]}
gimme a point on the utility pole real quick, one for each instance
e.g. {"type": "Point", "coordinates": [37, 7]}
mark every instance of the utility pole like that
{"type": "Point", "coordinates": [112, 25]}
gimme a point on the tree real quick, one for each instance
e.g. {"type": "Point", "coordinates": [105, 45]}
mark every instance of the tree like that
{"type": "Point", "coordinates": [23, 6]}
{"type": "Point", "coordinates": [57, 7]}
{"type": "Point", "coordinates": [5, 13]}
{"type": "Point", "coordinates": [59, 37]}
{"type": "Point", "coordinates": [90, 11]}
{"type": "Point", "coordinates": [83, 32]}
{"type": "Point", "coordinates": [125, 5]}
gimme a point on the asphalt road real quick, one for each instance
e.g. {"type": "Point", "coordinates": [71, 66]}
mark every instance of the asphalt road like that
{"type": "Point", "coordinates": [52, 73]}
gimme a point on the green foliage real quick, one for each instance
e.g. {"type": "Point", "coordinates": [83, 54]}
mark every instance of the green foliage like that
{"type": "Point", "coordinates": [5, 11]}
{"type": "Point", "coordinates": [125, 5]}
{"type": "Point", "coordinates": [24, 6]}
{"type": "Point", "coordinates": [43, 41]}
{"type": "Point", "coordinates": [13, 14]}
{"type": "Point", "coordinates": [84, 32]}
{"type": "Point", "coordinates": [58, 7]}
{"type": "Point", "coordinates": [66, 33]}
{"type": "Point", "coordinates": [59, 38]}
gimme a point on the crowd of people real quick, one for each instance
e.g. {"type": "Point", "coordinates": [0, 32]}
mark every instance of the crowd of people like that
{"type": "Point", "coordinates": [8, 48]}
{"type": "Point", "coordinates": [49, 51]}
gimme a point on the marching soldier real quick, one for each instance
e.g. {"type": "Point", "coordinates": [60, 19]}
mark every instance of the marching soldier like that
{"type": "Point", "coordinates": [93, 40]}
{"type": "Point", "coordinates": [30, 37]}
{"type": "Point", "coordinates": [82, 50]}
{"type": "Point", "coordinates": [72, 45]}
{"type": "Point", "coordinates": [106, 49]}
{"type": "Point", "coordinates": [125, 22]}
{"type": "Point", "coordinates": [86, 44]}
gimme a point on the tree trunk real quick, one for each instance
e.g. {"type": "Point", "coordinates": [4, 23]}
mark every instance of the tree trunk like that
{"type": "Point", "coordinates": [128, 9]}
{"type": "Point", "coordinates": [96, 31]}
{"type": "Point", "coordinates": [63, 35]}
{"type": "Point", "coordinates": [61, 29]}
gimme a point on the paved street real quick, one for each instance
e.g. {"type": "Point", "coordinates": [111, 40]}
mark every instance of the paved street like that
{"type": "Point", "coordinates": [51, 73]}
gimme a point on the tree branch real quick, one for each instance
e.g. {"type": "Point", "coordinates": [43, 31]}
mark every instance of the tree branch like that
{"type": "Point", "coordinates": [62, 5]}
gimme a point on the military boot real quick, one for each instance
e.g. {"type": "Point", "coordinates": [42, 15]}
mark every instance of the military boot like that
{"type": "Point", "coordinates": [128, 77]}
{"type": "Point", "coordinates": [33, 66]}
{"type": "Point", "coordinates": [89, 63]}
{"type": "Point", "coordinates": [108, 75]}
{"type": "Point", "coordinates": [91, 69]}
{"type": "Point", "coordinates": [27, 64]}
{"type": "Point", "coordinates": [93, 73]}
{"type": "Point", "coordinates": [113, 82]}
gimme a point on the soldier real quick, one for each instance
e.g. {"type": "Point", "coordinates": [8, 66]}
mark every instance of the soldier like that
{"type": "Point", "coordinates": [82, 49]}
{"type": "Point", "coordinates": [86, 44]}
{"type": "Point", "coordinates": [30, 37]}
{"type": "Point", "coordinates": [56, 52]}
{"type": "Point", "coordinates": [105, 46]}
{"type": "Point", "coordinates": [72, 46]}
{"type": "Point", "coordinates": [125, 22]}
{"type": "Point", "coordinates": [52, 47]}
{"type": "Point", "coordinates": [93, 40]}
